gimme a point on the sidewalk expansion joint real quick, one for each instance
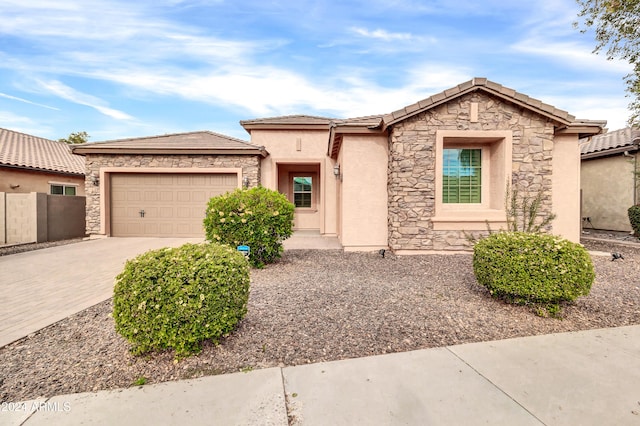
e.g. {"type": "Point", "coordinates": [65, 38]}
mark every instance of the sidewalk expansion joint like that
{"type": "Point", "coordinates": [448, 348]}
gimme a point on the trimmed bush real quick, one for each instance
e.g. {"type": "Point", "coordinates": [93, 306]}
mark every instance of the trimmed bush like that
{"type": "Point", "coordinates": [175, 298]}
{"type": "Point", "coordinates": [532, 268]}
{"type": "Point", "coordinates": [634, 219]}
{"type": "Point", "coordinates": [258, 217]}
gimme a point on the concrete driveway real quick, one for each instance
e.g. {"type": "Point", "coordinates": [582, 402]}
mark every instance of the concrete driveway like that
{"type": "Point", "coordinates": [42, 287]}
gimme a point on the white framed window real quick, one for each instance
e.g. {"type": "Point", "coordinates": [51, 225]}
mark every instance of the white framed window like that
{"type": "Point", "coordinates": [62, 189]}
{"type": "Point", "coordinates": [303, 191]}
{"type": "Point", "coordinates": [472, 169]}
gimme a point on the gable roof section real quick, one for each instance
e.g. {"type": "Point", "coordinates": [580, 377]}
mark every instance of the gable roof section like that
{"type": "Point", "coordinates": [485, 85]}
{"type": "Point", "coordinates": [610, 143]}
{"type": "Point", "coordinates": [31, 152]}
{"type": "Point", "coordinates": [202, 142]}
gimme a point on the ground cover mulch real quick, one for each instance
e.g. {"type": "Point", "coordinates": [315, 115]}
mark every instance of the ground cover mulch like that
{"type": "Point", "coordinates": [314, 306]}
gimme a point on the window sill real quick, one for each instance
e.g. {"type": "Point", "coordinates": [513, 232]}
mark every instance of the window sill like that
{"type": "Point", "coordinates": [469, 220]}
{"type": "Point", "coordinates": [305, 210]}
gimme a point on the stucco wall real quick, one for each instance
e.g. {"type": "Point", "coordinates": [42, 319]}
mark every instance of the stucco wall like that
{"type": "Point", "coordinates": [303, 147]}
{"type": "Point", "coordinates": [566, 187]}
{"type": "Point", "coordinates": [411, 173]}
{"type": "Point", "coordinates": [35, 181]}
{"type": "Point", "coordinates": [38, 217]}
{"type": "Point", "coordinates": [250, 166]}
{"type": "Point", "coordinates": [607, 192]}
{"type": "Point", "coordinates": [364, 192]}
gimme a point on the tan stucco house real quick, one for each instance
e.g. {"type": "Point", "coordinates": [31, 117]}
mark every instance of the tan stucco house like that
{"type": "Point", "coordinates": [412, 180]}
{"type": "Point", "coordinates": [33, 164]}
{"type": "Point", "coordinates": [41, 190]}
{"type": "Point", "coordinates": [608, 179]}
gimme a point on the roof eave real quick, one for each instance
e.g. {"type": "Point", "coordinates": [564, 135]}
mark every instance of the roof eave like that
{"type": "Point", "coordinates": [84, 150]}
{"type": "Point", "coordinates": [283, 126]}
{"type": "Point", "coordinates": [40, 169]}
{"type": "Point", "coordinates": [439, 99]}
{"type": "Point", "coordinates": [609, 152]}
{"type": "Point", "coordinates": [583, 129]}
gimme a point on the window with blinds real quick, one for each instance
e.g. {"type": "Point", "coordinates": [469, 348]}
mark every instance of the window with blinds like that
{"type": "Point", "coordinates": [462, 176]}
{"type": "Point", "coordinates": [302, 191]}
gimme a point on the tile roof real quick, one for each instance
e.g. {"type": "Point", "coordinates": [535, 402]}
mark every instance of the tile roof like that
{"type": "Point", "coordinates": [191, 142]}
{"type": "Point", "coordinates": [369, 121]}
{"type": "Point", "coordinates": [605, 143]}
{"type": "Point", "coordinates": [479, 83]}
{"type": "Point", "coordinates": [288, 119]}
{"type": "Point", "coordinates": [31, 152]}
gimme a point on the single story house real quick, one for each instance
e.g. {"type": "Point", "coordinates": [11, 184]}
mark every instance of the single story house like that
{"type": "Point", "coordinates": [609, 182]}
{"type": "Point", "coordinates": [41, 190]}
{"type": "Point", "coordinates": [412, 180]}
{"type": "Point", "coordinates": [32, 164]}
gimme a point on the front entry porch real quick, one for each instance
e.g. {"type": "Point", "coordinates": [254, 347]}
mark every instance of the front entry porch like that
{"type": "Point", "coordinates": [311, 240]}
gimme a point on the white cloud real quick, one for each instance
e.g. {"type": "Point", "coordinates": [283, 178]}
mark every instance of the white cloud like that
{"type": "Point", "coordinates": [65, 92]}
{"type": "Point", "coordinates": [22, 124]}
{"type": "Point", "coordinates": [381, 34]}
{"type": "Point", "coordinates": [571, 54]}
{"type": "Point", "coordinates": [15, 98]}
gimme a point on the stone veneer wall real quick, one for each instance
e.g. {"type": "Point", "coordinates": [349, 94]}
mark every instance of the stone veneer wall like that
{"type": "Point", "coordinates": [250, 165]}
{"type": "Point", "coordinates": [411, 173]}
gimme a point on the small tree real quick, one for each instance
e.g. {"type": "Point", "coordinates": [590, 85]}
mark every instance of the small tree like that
{"type": "Point", "coordinates": [76, 138]}
{"type": "Point", "coordinates": [522, 212]}
{"type": "Point", "coordinates": [617, 27]}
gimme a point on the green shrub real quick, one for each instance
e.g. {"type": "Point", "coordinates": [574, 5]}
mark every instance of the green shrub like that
{"type": "Point", "coordinates": [174, 298]}
{"type": "Point", "coordinates": [634, 219]}
{"type": "Point", "coordinates": [532, 268]}
{"type": "Point", "coordinates": [260, 218]}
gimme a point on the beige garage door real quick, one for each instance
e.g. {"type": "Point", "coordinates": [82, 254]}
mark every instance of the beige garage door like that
{"type": "Point", "coordinates": [163, 205]}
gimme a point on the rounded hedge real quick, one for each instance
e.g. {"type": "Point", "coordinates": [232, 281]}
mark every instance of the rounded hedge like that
{"type": "Point", "coordinates": [532, 268]}
{"type": "Point", "coordinates": [175, 298]}
{"type": "Point", "coordinates": [258, 217]}
{"type": "Point", "coordinates": [634, 219]}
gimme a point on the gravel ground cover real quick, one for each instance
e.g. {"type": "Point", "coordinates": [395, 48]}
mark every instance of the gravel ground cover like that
{"type": "Point", "coordinates": [316, 306]}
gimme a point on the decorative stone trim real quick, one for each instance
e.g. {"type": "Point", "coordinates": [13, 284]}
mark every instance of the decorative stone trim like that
{"type": "Point", "coordinates": [412, 163]}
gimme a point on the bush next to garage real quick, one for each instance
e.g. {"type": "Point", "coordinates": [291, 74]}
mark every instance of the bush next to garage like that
{"type": "Point", "coordinates": [634, 219]}
{"type": "Point", "coordinates": [533, 268]}
{"type": "Point", "coordinates": [258, 217]}
{"type": "Point", "coordinates": [175, 298]}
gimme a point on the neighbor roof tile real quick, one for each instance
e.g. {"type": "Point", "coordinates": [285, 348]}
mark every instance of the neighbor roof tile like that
{"type": "Point", "coordinates": [31, 152]}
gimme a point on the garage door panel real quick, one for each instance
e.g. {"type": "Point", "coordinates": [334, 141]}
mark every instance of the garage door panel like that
{"type": "Point", "coordinates": [183, 212]}
{"type": "Point", "coordinates": [150, 228]}
{"type": "Point", "coordinates": [199, 196]}
{"type": "Point", "coordinates": [134, 196]}
{"type": "Point", "coordinates": [199, 180]}
{"type": "Point", "coordinates": [183, 196]}
{"type": "Point", "coordinates": [174, 204]}
{"type": "Point", "coordinates": [151, 196]}
{"type": "Point", "coordinates": [166, 212]}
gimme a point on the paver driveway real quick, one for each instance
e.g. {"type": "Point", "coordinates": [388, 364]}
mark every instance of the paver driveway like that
{"type": "Point", "coordinates": [44, 286]}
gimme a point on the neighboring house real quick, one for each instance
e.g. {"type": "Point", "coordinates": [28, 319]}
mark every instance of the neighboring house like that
{"type": "Point", "coordinates": [41, 190]}
{"type": "Point", "coordinates": [413, 180]}
{"type": "Point", "coordinates": [609, 185]}
{"type": "Point", "coordinates": [32, 164]}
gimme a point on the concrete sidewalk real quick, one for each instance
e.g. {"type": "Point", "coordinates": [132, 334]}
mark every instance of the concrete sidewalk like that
{"type": "Point", "coordinates": [587, 378]}
{"type": "Point", "coordinates": [44, 286]}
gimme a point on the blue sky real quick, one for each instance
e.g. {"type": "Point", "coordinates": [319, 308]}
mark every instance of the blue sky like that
{"type": "Point", "coordinates": [119, 69]}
